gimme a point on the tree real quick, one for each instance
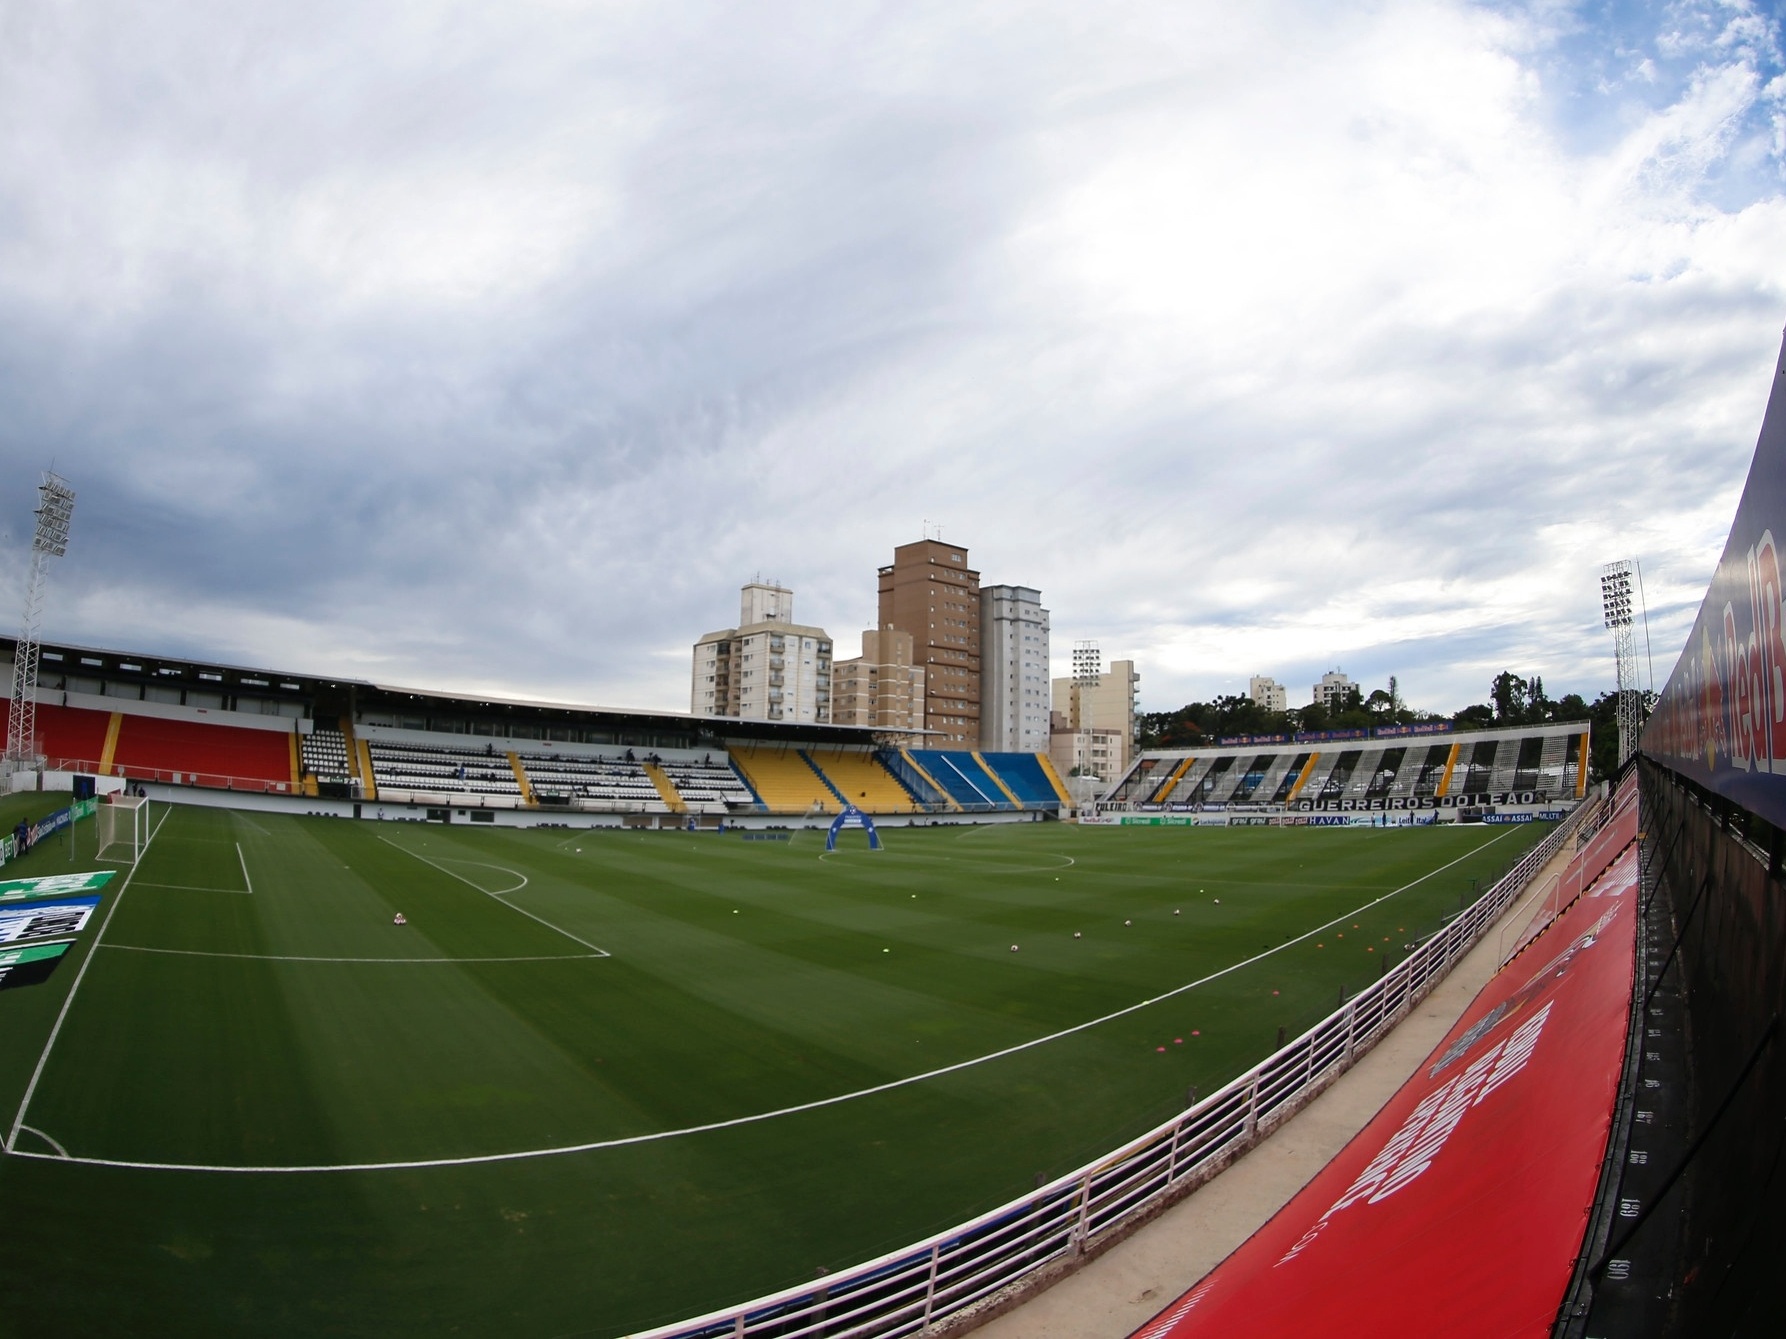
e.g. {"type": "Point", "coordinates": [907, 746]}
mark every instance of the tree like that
{"type": "Point", "coordinates": [1509, 694]}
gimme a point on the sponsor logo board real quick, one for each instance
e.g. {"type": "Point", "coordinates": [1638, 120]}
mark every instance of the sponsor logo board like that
{"type": "Point", "coordinates": [46, 920]}
{"type": "Point", "coordinates": [54, 885]}
{"type": "Point", "coordinates": [30, 964]}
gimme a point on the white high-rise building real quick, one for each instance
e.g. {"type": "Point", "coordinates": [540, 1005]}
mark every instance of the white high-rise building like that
{"type": "Point", "coordinates": [1268, 693]}
{"type": "Point", "coordinates": [1333, 688]}
{"type": "Point", "coordinates": [1014, 700]}
{"type": "Point", "coordinates": [768, 668]}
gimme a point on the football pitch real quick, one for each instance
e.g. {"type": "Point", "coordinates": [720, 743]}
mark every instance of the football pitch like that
{"type": "Point", "coordinates": [602, 1080]}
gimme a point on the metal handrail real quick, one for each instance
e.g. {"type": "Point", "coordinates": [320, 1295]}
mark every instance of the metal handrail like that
{"type": "Point", "coordinates": [934, 1281]}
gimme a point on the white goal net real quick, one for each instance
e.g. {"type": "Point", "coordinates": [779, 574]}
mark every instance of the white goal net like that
{"type": "Point", "coordinates": [123, 828]}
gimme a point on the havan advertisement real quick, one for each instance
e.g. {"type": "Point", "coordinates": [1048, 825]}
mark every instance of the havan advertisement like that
{"type": "Point", "coordinates": [1721, 719]}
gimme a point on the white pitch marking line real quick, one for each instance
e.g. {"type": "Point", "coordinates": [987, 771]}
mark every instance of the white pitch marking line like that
{"type": "Point", "coordinates": [43, 1059]}
{"type": "Point", "coordinates": [244, 860]}
{"type": "Point", "coordinates": [659, 1135]}
{"type": "Point", "coordinates": [497, 897]}
{"type": "Point", "coordinates": [289, 957]}
{"type": "Point", "coordinates": [32, 1129]}
{"type": "Point", "coordinates": [193, 888]}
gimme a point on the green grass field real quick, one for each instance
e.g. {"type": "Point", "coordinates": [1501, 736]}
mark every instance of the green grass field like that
{"type": "Point", "coordinates": [252, 1006]}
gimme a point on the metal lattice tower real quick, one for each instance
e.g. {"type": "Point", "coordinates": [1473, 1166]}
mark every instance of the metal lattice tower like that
{"type": "Point", "coordinates": [1615, 600]}
{"type": "Point", "coordinates": [55, 509]}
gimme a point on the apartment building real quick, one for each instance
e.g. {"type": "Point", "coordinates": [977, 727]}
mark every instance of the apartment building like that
{"type": "Point", "coordinates": [1014, 686]}
{"type": "Point", "coordinates": [930, 593]}
{"type": "Point", "coordinates": [768, 668]}
{"type": "Point", "coordinates": [1102, 710]}
{"type": "Point", "coordinates": [881, 687]}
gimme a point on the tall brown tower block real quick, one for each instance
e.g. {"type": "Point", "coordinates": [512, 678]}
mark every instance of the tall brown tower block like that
{"type": "Point", "coordinates": [931, 593]}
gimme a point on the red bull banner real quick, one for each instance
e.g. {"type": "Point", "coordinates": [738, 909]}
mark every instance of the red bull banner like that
{"type": "Point", "coordinates": [1721, 719]}
{"type": "Point", "coordinates": [1459, 1210]}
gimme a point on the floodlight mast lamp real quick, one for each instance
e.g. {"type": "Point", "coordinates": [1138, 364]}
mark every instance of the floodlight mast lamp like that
{"type": "Point", "coordinates": [1615, 602]}
{"type": "Point", "coordinates": [55, 510]}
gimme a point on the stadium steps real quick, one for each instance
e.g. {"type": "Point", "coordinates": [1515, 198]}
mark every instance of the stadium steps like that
{"type": "Point", "coordinates": [1022, 774]}
{"type": "Point", "coordinates": [1359, 783]}
{"type": "Point", "coordinates": [929, 780]}
{"type": "Point", "coordinates": [819, 772]}
{"type": "Point", "coordinates": [369, 784]}
{"type": "Point", "coordinates": [1321, 767]}
{"type": "Point", "coordinates": [946, 766]}
{"type": "Point", "coordinates": [1172, 779]}
{"type": "Point", "coordinates": [997, 780]}
{"type": "Point", "coordinates": [666, 788]}
{"type": "Point", "coordinates": [783, 780]}
{"type": "Point", "coordinates": [1191, 781]}
{"type": "Point", "coordinates": [1450, 767]}
{"type": "Point", "coordinates": [1060, 787]}
{"type": "Point", "coordinates": [1273, 780]}
{"type": "Point", "coordinates": [297, 766]}
{"type": "Point", "coordinates": [1552, 765]}
{"type": "Point", "coordinates": [745, 781]}
{"type": "Point", "coordinates": [1302, 778]}
{"type": "Point", "coordinates": [860, 779]}
{"type": "Point", "coordinates": [522, 780]}
{"type": "Point", "coordinates": [1229, 781]}
{"type": "Point", "coordinates": [109, 750]}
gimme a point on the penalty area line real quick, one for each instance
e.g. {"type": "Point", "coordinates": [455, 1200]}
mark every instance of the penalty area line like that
{"type": "Point", "coordinates": [498, 897]}
{"type": "Point", "coordinates": [657, 1136]}
{"type": "Point", "coordinates": [43, 1059]}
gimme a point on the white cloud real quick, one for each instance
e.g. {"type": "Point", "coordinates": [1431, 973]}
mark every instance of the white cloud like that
{"type": "Point", "coordinates": [498, 350]}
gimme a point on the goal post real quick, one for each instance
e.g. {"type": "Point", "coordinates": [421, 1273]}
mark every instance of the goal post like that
{"type": "Point", "coordinates": [123, 828]}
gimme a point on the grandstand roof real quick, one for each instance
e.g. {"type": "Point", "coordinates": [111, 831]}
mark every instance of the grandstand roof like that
{"type": "Point", "coordinates": [248, 688]}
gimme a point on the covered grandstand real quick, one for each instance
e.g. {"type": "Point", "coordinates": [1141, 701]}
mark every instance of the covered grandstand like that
{"type": "Point", "coordinates": [340, 745]}
{"type": "Point", "coordinates": [1355, 775]}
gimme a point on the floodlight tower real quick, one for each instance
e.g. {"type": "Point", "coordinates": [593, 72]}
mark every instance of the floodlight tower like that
{"type": "Point", "coordinates": [55, 509]}
{"type": "Point", "coordinates": [1615, 601]}
{"type": "Point", "coordinates": [1088, 668]}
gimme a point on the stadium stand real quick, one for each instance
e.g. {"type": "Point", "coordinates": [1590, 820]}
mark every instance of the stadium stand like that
{"type": "Point", "coordinates": [1542, 764]}
{"type": "Point", "coordinates": [413, 769]}
{"type": "Point", "coordinates": [153, 745]}
{"type": "Point", "coordinates": [862, 781]}
{"type": "Point", "coordinates": [968, 783]}
{"type": "Point", "coordinates": [558, 778]}
{"type": "Point", "coordinates": [925, 793]}
{"type": "Point", "coordinates": [1023, 776]}
{"type": "Point", "coordinates": [709, 787]}
{"type": "Point", "coordinates": [784, 780]}
{"type": "Point", "coordinates": [71, 735]}
{"type": "Point", "coordinates": [206, 725]}
{"type": "Point", "coordinates": [323, 753]}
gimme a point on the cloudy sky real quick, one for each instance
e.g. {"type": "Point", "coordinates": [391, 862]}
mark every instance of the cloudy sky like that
{"type": "Point", "coordinates": [494, 346]}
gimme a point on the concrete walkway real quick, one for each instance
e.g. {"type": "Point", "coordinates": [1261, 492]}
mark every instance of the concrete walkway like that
{"type": "Point", "coordinates": [1124, 1288]}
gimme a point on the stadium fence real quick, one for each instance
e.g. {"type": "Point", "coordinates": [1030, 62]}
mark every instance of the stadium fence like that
{"type": "Point", "coordinates": [967, 1274]}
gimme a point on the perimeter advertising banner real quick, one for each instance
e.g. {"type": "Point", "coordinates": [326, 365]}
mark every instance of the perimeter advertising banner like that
{"type": "Point", "coordinates": [30, 964]}
{"type": "Point", "coordinates": [46, 920]}
{"type": "Point", "coordinates": [54, 885]}
{"type": "Point", "coordinates": [1722, 717]}
{"type": "Point", "coordinates": [1458, 1210]}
